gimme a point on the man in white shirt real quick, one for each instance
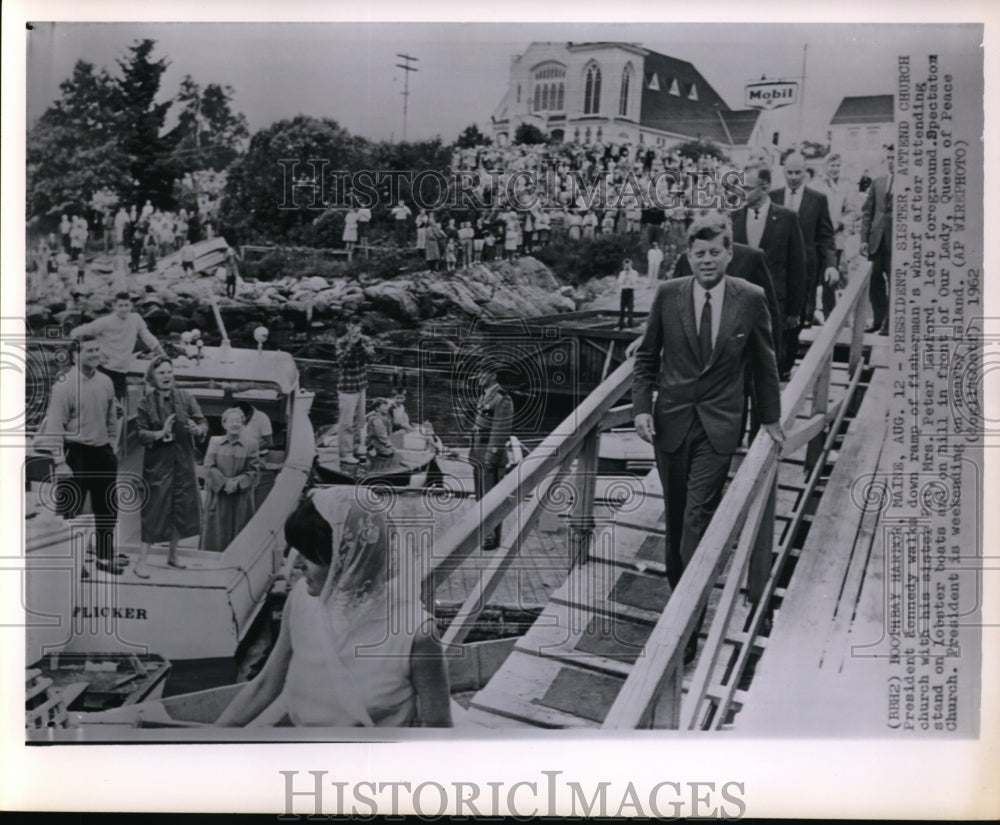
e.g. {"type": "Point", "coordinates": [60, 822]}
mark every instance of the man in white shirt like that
{"type": "Point", "coordinates": [401, 215]}
{"type": "Point", "coordinates": [83, 423]}
{"type": "Point", "coordinates": [257, 426]}
{"type": "Point", "coordinates": [628, 279]}
{"type": "Point", "coordinates": [654, 258]}
{"type": "Point", "coordinates": [117, 334]}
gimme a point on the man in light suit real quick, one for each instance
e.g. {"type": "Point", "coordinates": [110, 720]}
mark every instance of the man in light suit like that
{"type": "Point", "coordinates": [817, 229]}
{"type": "Point", "coordinates": [775, 231]}
{"type": "Point", "coordinates": [703, 335]}
{"type": "Point", "coordinates": [876, 242]}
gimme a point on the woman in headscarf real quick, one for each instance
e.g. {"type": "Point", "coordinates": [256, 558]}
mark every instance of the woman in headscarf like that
{"type": "Point", "coordinates": [356, 647]}
{"type": "Point", "coordinates": [168, 420]}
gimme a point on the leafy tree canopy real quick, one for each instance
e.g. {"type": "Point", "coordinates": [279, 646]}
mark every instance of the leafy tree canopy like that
{"type": "Point", "coordinates": [529, 133]}
{"type": "Point", "coordinates": [108, 132]}
{"type": "Point", "coordinates": [471, 137]}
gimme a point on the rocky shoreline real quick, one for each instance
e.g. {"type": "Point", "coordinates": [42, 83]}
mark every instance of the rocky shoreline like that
{"type": "Point", "coordinates": [172, 301]}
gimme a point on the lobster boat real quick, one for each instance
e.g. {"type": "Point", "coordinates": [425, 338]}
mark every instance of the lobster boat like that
{"type": "Point", "coordinates": [410, 465]}
{"type": "Point", "coordinates": [199, 616]}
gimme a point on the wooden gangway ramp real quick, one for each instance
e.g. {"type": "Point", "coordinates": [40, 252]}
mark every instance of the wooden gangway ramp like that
{"type": "Point", "coordinates": [568, 669]}
{"type": "Point", "coordinates": [607, 650]}
{"type": "Point", "coordinates": [810, 675]}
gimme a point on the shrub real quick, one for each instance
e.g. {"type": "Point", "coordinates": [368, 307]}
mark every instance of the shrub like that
{"type": "Point", "coordinates": [577, 262]}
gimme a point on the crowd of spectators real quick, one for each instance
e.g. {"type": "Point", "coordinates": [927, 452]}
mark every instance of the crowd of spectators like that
{"type": "Point", "coordinates": [518, 199]}
{"type": "Point", "coordinates": [146, 233]}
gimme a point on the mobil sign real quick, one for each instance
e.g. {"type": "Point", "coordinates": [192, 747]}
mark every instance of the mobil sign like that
{"type": "Point", "coordinates": [770, 94]}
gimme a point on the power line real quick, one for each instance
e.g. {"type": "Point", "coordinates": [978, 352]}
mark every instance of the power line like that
{"type": "Point", "coordinates": [406, 67]}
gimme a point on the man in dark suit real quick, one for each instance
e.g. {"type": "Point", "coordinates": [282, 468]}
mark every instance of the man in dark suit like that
{"type": "Point", "coordinates": [775, 231]}
{"type": "Point", "coordinates": [751, 265]}
{"type": "Point", "coordinates": [876, 242]}
{"type": "Point", "coordinates": [813, 210]}
{"type": "Point", "coordinates": [703, 334]}
{"type": "Point", "coordinates": [490, 433]}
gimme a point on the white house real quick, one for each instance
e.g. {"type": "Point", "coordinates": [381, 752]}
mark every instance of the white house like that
{"type": "Point", "coordinates": [859, 129]}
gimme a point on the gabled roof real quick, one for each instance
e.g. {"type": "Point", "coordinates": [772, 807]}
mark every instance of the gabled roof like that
{"type": "Point", "coordinates": [741, 124]}
{"type": "Point", "coordinates": [678, 113]}
{"type": "Point", "coordinates": [867, 109]}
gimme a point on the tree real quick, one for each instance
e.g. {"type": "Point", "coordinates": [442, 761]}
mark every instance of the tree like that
{"type": "Point", "coordinates": [472, 137]}
{"type": "Point", "coordinates": [208, 135]}
{"type": "Point", "coordinates": [140, 120]}
{"type": "Point", "coordinates": [107, 133]}
{"type": "Point", "coordinates": [696, 149]}
{"type": "Point", "coordinates": [529, 133]}
{"type": "Point", "coordinates": [73, 149]}
{"type": "Point", "coordinates": [268, 196]}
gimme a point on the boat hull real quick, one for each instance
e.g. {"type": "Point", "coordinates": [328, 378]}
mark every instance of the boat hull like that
{"type": "Point", "coordinates": [203, 612]}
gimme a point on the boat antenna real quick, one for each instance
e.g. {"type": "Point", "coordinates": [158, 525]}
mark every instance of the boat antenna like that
{"type": "Point", "coordinates": [226, 348]}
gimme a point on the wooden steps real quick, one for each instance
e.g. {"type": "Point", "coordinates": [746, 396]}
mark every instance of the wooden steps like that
{"type": "Point", "coordinates": [570, 666]}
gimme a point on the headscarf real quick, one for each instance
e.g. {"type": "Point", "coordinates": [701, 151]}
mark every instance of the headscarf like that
{"type": "Point", "coordinates": [360, 553]}
{"type": "Point", "coordinates": [360, 587]}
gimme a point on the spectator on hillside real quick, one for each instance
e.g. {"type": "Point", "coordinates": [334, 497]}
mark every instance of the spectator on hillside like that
{"type": "Point", "coordinates": [401, 215]}
{"type": "Point", "coordinates": [654, 259]}
{"type": "Point", "coordinates": [364, 224]}
{"type": "Point", "coordinates": [628, 279]}
{"type": "Point", "coordinates": [350, 234]}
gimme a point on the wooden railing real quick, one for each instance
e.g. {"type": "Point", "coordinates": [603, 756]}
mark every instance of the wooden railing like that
{"type": "Point", "coordinates": [570, 451]}
{"type": "Point", "coordinates": [651, 695]}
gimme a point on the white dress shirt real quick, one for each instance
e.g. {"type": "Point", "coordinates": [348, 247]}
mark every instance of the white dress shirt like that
{"type": "Point", "coordinates": [755, 225]}
{"type": "Point", "coordinates": [718, 293]}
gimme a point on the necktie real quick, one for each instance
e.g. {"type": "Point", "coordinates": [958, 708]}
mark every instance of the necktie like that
{"type": "Point", "coordinates": [705, 330]}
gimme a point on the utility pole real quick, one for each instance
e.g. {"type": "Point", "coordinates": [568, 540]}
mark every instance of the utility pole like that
{"type": "Point", "coordinates": [802, 96]}
{"type": "Point", "coordinates": [406, 67]}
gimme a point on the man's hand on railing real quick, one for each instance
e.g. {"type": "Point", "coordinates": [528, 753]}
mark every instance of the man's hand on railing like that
{"type": "Point", "coordinates": [644, 427]}
{"type": "Point", "coordinates": [774, 430]}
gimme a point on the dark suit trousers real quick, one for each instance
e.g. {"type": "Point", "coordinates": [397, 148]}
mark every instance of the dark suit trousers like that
{"type": "Point", "coordinates": [485, 474]}
{"type": "Point", "coordinates": [692, 476]}
{"type": "Point", "coordinates": [878, 287]}
{"type": "Point", "coordinates": [95, 471]}
{"type": "Point", "coordinates": [789, 349]}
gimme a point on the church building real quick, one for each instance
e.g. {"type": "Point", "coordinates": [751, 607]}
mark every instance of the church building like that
{"type": "Point", "coordinates": [615, 92]}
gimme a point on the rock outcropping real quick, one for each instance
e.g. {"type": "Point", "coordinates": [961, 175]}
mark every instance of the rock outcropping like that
{"type": "Point", "coordinates": [173, 301]}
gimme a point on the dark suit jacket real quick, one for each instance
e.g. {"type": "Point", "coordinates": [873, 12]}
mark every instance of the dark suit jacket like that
{"type": "Point", "coordinates": [668, 361]}
{"type": "Point", "coordinates": [817, 228]}
{"type": "Point", "coordinates": [876, 216]}
{"type": "Point", "coordinates": [751, 265]}
{"type": "Point", "coordinates": [786, 255]}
